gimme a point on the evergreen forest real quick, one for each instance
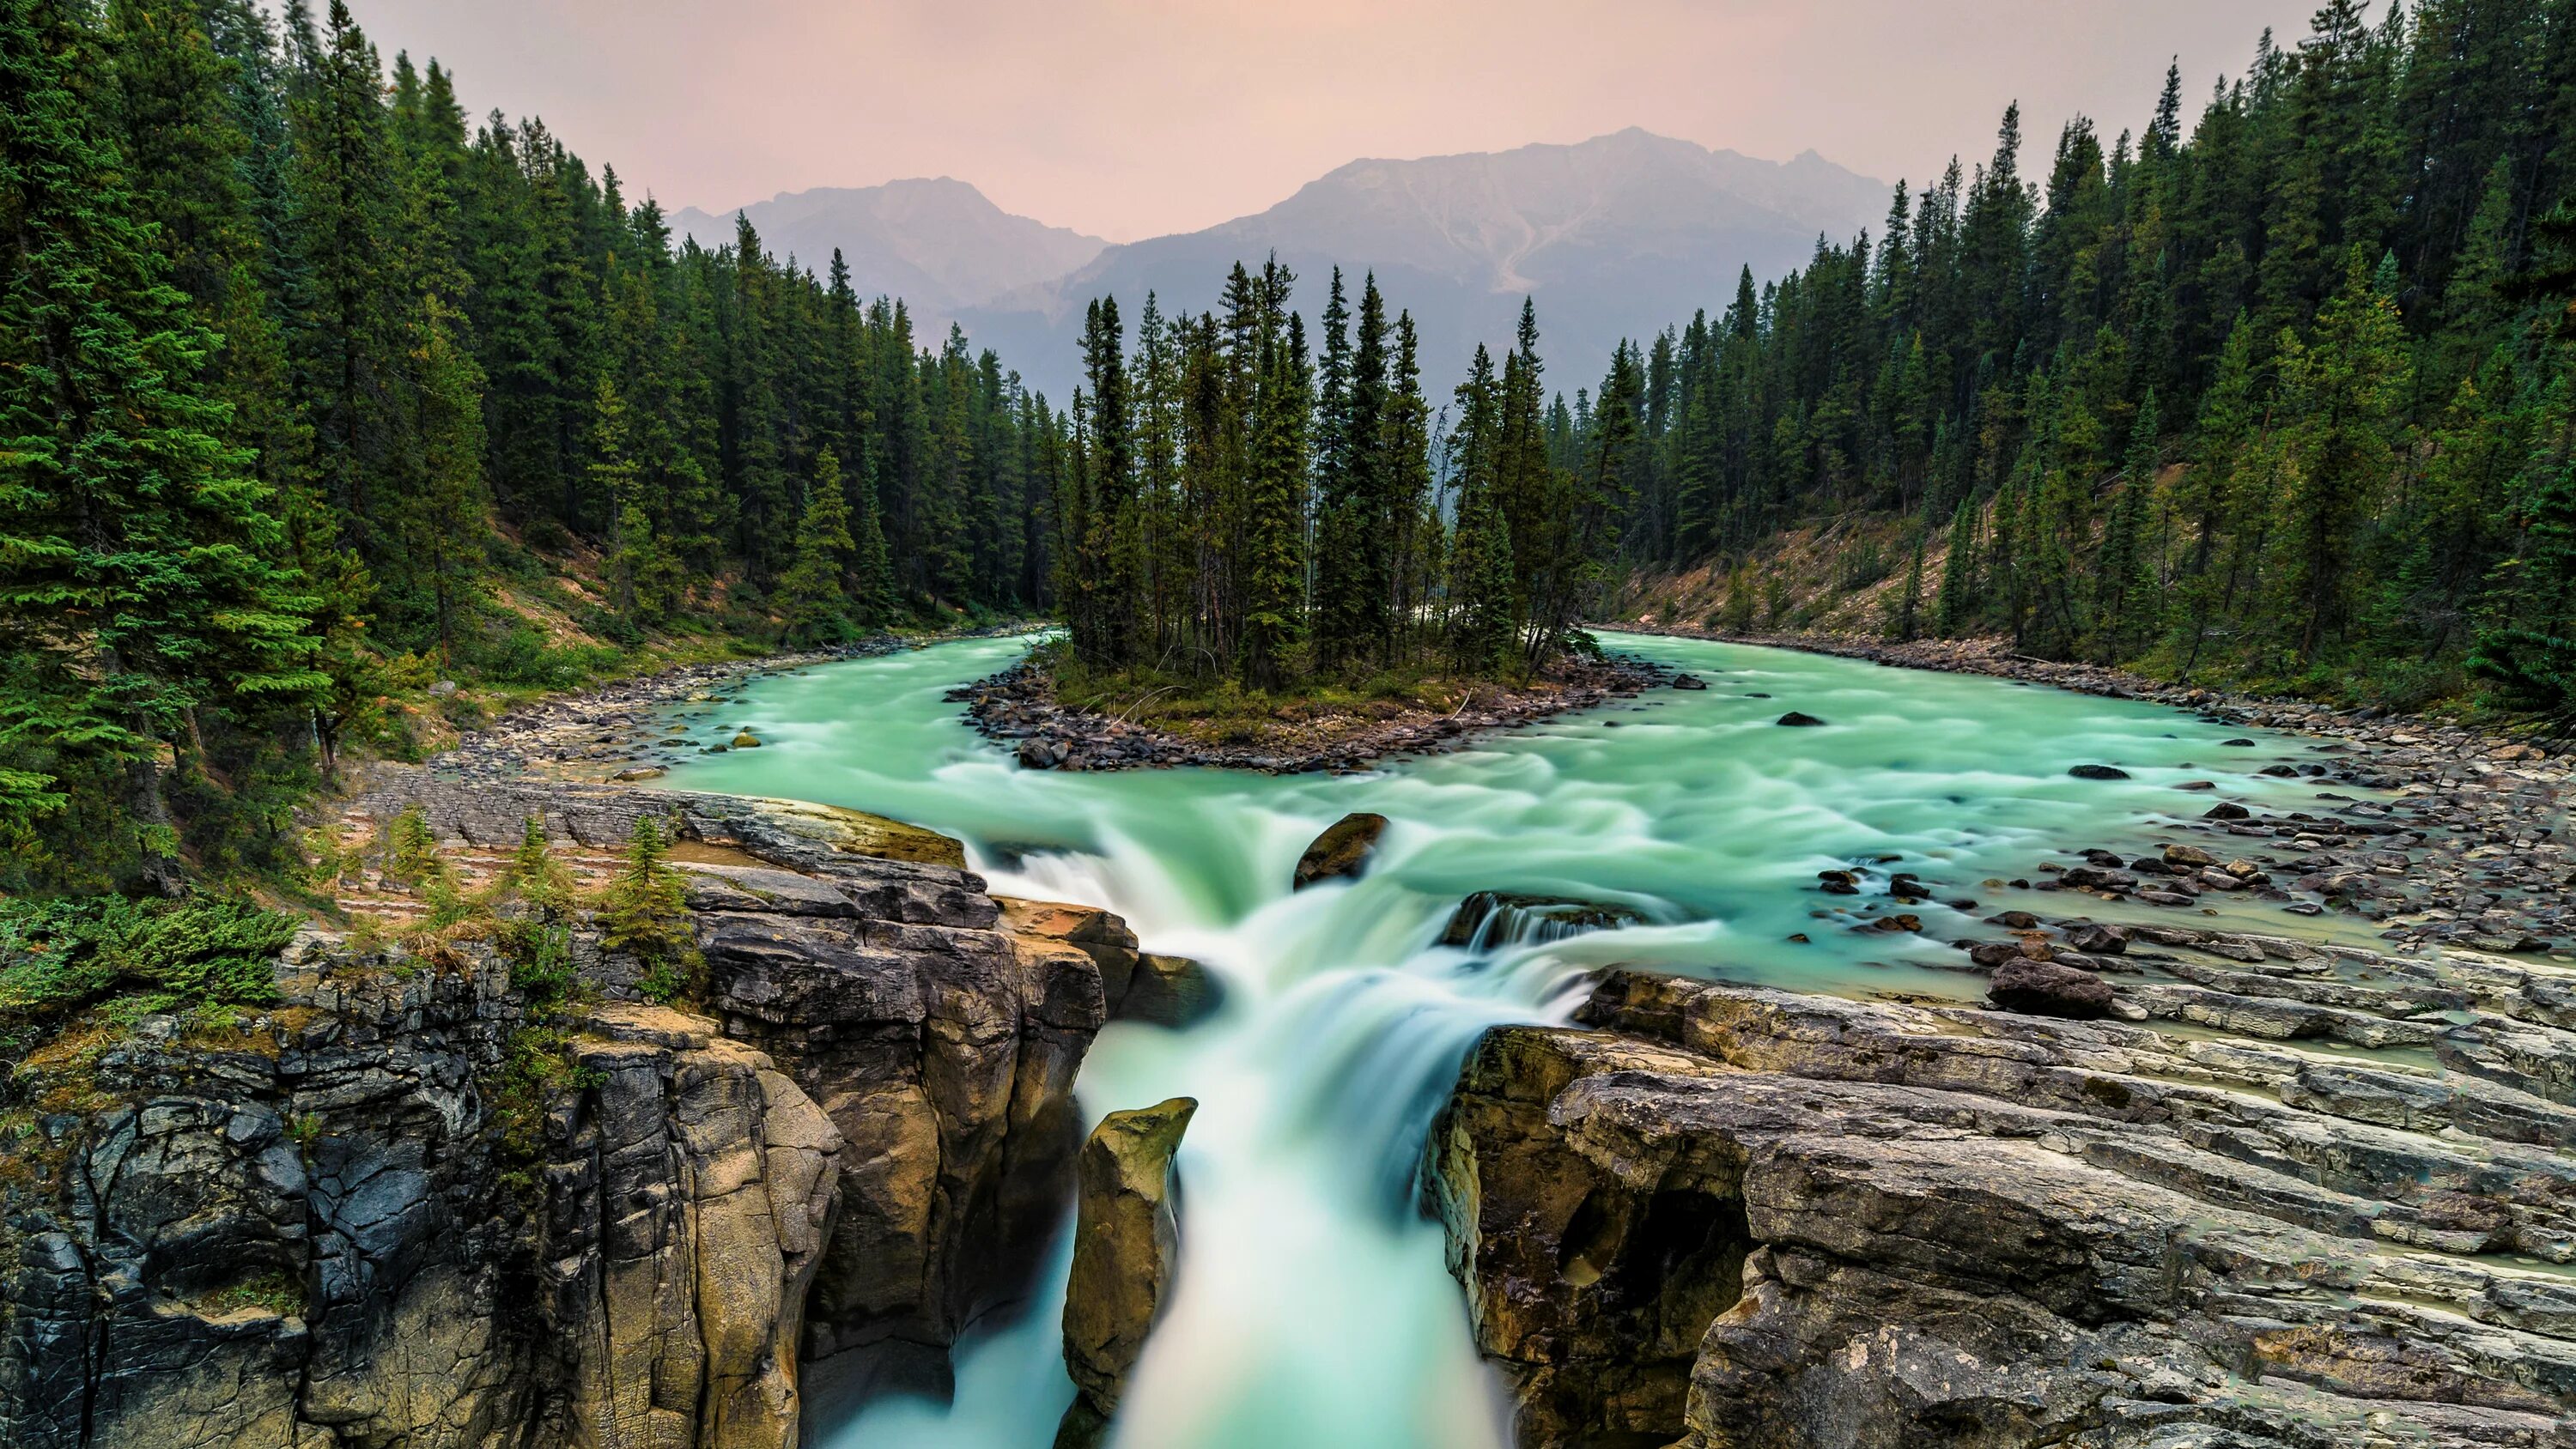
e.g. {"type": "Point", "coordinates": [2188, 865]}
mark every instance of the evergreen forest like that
{"type": "Point", "coordinates": [2274, 392]}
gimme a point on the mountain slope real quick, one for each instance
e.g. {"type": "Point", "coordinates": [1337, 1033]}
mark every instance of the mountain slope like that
{"type": "Point", "coordinates": [1614, 236]}
{"type": "Point", "coordinates": [938, 244]}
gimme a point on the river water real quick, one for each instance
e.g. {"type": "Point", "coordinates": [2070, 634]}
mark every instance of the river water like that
{"type": "Point", "coordinates": [1312, 1307]}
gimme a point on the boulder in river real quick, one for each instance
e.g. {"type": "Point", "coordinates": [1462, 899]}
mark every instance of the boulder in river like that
{"type": "Point", "coordinates": [1796, 720]}
{"type": "Point", "coordinates": [2098, 772]}
{"type": "Point", "coordinates": [1127, 1243]}
{"type": "Point", "coordinates": [2096, 939]}
{"type": "Point", "coordinates": [2049, 988]}
{"type": "Point", "coordinates": [1341, 852]}
{"type": "Point", "coordinates": [1689, 681]}
{"type": "Point", "coordinates": [1170, 991]}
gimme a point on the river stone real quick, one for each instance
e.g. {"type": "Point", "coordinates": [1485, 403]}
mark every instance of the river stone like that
{"type": "Point", "coordinates": [746, 741]}
{"type": "Point", "coordinates": [1797, 720]}
{"type": "Point", "coordinates": [1689, 681]}
{"type": "Point", "coordinates": [1341, 852]}
{"type": "Point", "coordinates": [2097, 939]}
{"type": "Point", "coordinates": [2098, 772]}
{"type": "Point", "coordinates": [1127, 1243]}
{"type": "Point", "coordinates": [2049, 988]}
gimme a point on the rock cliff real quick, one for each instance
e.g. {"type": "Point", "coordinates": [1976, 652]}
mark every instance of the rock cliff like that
{"type": "Point", "coordinates": [399, 1210]}
{"type": "Point", "coordinates": [2325, 1200]}
{"type": "Point", "coordinates": [1126, 1252]}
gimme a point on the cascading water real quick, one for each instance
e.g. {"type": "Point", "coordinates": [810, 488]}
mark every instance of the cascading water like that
{"type": "Point", "coordinates": [1312, 1307]}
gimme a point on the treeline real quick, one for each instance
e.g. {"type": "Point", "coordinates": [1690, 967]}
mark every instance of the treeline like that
{"type": "Point", "coordinates": [1238, 506]}
{"type": "Point", "coordinates": [302, 379]}
{"type": "Point", "coordinates": [2283, 396]}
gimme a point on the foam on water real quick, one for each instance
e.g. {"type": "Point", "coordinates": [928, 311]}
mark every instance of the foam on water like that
{"type": "Point", "coordinates": [1312, 1307]}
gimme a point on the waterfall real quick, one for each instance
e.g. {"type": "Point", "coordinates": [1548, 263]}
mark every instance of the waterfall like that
{"type": "Point", "coordinates": [1679, 831]}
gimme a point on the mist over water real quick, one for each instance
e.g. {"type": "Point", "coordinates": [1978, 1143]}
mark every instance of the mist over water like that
{"type": "Point", "coordinates": [1312, 1306]}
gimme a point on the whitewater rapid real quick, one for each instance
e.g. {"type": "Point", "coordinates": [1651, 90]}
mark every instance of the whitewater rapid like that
{"type": "Point", "coordinates": [1312, 1306]}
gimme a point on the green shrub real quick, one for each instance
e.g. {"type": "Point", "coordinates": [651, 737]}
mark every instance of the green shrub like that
{"type": "Point", "coordinates": [411, 849]}
{"type": "Point", "coordinates": [57, 956]}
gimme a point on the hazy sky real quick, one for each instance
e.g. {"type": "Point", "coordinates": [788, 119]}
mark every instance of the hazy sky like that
{"type": "Point", "coordinates": [1130, 118]}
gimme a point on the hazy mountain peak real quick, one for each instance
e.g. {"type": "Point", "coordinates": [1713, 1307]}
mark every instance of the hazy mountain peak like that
{"type": "Point", "coordinates": [935, 241]}
{"type": "Point", "coordinates": [1614, 236]}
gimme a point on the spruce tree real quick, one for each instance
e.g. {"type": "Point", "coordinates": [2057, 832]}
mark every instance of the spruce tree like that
{"type": "Point", "coordinates": [2343, 386]}
{"type": "Point", "coordinates": [813, 600]}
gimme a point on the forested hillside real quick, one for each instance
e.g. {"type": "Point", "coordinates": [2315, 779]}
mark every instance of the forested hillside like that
{"type": "Point", "coordinates": [308, 386]}
{"type": "Point", "coordinates": [2276, 392]}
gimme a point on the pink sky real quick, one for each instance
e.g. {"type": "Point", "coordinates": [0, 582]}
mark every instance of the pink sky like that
{"type": "Point", "coordinates": [1131, 118]}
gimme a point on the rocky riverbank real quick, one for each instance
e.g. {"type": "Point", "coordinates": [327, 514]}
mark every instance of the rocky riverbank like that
{"type": "Point", "coordinates": [1018, 709]}
{"type": "Point", "coordinates": [407, 1207]}
{"type": "Point", "coordinates": [2428, 831]}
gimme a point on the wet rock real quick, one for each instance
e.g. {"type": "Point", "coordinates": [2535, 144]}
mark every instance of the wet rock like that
{"type": "Point", "coordinates": [2049, 988]}
{"type": "Point", "coordinates": [2188, 855]}
{"type": "Point", "coordinates": [1341, 852]}
{"type": "Point", "coordinates": [1172, 991]}
{"type": "Point", "coordinates": [2098, 772]}
{"type": "Point", "coordinates": [2097, 940]}
{"type": "Point", "coordinates": [1799, 721]}
{"type": "Point", "coordinates": [1689, 681]}
{"type": "Point", "coordinates": [746, 741]}
{"type": "Point", "coordinates": [1126, 1248]}
{"type": "Point", "coordinates": [1502, 918]}
{"type": "Point", "coordinates": [2226, 810]}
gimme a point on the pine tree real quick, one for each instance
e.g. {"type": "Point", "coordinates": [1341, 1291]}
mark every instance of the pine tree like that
{"type": "Point", "coordinates": [1957, 600]}
{"type": "Point", "coordinates": [1272, 571]}
{"type": "Point", "coordinates": [812, 596]}
{"type": "Point", "coordinates": [445, 522]}
{"type": "Point", "coordinates": [2125, 602]}
{"type": "Point", "coordinates": [643, 914]}
{"type": "Point", "coordinates": [2344, 387]}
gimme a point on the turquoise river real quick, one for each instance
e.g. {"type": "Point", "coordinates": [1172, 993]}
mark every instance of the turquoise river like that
{"type": "Point", "coordinates": [1312, 1307]}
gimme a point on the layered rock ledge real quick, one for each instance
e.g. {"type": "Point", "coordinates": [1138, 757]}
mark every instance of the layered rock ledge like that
{"type": "Point", "coordinates": [2314, 1204]}
{"type": "Point", "coordinates": [403, 1210]}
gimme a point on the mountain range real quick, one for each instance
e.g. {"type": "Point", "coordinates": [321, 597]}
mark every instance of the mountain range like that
{"type": "Point", "coordinates": [1614, 237]}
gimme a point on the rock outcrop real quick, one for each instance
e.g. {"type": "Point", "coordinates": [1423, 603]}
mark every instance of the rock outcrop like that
{"type": "Point", "coordinates": [402, 1210]}
{"type": "Point", "coordinates": [1126, 1249]}
{"type": "Point", "coordinates": [1732, 1216]}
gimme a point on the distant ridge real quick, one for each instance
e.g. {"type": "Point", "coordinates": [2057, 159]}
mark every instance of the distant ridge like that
{"type": "Point", "coordinates": [1615, 236]}
{"type": "Point", "coordinates": [938, 243]}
